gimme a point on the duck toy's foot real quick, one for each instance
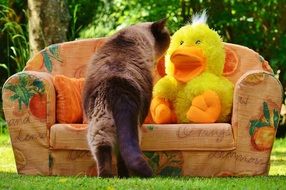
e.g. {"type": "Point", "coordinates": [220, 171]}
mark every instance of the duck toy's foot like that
{"type": "Point", "coordinates": [205, 108]}
{"type": "Point", "coordinates": [161, 111]}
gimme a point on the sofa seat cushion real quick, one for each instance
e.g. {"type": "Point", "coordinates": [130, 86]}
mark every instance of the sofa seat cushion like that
{"type": "Point", "coordinates": [68, 137]}
{"type": "Point", "coordinates": [216, 136]}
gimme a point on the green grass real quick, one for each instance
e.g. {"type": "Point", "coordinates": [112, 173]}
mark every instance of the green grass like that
{"type": "Point", "coordinates": [278, 158]}
{"type": "Point", "coordinates": [7, 161]}
{"type": "Point", "coordinates": [9, 179]}
{"type": "Point", "coordinates": [14, 181]}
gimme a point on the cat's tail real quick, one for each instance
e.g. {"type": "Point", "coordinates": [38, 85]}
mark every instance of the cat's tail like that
{"type": "Point", "coordinates": [125, 105]}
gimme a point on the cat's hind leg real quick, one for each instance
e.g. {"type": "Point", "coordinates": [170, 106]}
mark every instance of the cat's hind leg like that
{"type": "Point", "coordinates": [121, 167]}
{"type": "Point", "coordinates": [101, 139]}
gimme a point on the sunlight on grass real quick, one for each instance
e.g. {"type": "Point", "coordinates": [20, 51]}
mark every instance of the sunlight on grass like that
{"type": "Point", "coordinates": [7, 161]}
{"type": "Point", "coordinates": [278, 158]}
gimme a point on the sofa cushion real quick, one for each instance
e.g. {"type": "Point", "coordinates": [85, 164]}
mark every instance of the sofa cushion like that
{"type": "Point", "coordinates": [214, 136]}
{"type": "Point", "coordinates": [69, 95]}
{"type": "Point", "coordinates": [68, 137]}
{"type": "Point", "coordinates": [217, 136]}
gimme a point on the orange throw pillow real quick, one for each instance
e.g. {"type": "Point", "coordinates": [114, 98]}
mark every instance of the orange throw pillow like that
{"type": "Point", "coordinates": [69, 99]}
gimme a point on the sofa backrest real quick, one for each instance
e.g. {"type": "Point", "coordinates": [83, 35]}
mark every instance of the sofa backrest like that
{"type": "Point", "coordinates": [240, 59]}
{"type": "Point", "coordinates": [70, 59]}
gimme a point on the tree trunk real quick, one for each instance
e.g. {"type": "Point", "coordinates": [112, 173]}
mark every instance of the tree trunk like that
{"type": "Point", "coordinates": [48, 23]}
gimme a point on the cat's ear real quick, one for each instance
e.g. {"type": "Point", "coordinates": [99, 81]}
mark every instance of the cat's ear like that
{"type": "Point", "coordinates": [158, 27]}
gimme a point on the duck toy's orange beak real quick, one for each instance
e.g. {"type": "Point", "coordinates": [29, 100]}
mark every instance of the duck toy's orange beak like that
{"type": "Point", "coordinates": [188, 62]}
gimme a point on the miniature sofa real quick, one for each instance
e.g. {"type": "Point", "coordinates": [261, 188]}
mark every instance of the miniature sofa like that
{"type": "Point", "coordinates": [44, 146]}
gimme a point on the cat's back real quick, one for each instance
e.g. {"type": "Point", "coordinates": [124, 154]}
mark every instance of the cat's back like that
{"type": "Point", "coordinates": [121, 59]}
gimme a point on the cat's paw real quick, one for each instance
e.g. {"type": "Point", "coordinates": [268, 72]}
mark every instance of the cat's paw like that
{"type": "Point", "coordinates": [140, 167]}
{"type": "Point", "coordinates": [161, 111]}
{"type": "Point", "coordinates": [205, 108]}
{"type": "Point", "coordinates": [105, 174]}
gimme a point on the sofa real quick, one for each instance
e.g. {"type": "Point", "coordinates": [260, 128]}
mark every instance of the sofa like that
{"type": "Point", "coordinates": [45, 145]}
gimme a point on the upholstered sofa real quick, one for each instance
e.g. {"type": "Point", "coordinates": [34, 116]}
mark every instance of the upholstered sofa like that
{"type": "Point", "coordinates": [44, 146]}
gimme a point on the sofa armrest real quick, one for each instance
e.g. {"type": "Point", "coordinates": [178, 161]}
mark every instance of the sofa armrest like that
{"type": "Point", "coordinates": [29, 108]}
{"type": "Point", "coordinates": [256, 108]}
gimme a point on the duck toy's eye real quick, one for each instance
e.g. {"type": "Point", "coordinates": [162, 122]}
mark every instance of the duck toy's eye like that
{"type": "Point", "coordinates": [198, 42]}
{"type": "Point", "coordinates": [181, 42]}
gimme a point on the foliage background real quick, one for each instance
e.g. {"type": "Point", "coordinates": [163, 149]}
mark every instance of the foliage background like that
{"type": "Point", "coordinates": [259, 25]}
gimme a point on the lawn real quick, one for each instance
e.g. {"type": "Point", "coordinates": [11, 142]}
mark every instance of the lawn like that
{"type": "Point", "coordinates": [9, 179]}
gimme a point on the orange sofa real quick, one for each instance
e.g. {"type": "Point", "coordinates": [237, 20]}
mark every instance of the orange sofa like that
{"type": "Point", "coordinates": [43, 146]}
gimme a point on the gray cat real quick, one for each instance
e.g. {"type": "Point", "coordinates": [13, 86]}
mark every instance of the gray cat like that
{"type": "Point", "coordinates": [117, 96]}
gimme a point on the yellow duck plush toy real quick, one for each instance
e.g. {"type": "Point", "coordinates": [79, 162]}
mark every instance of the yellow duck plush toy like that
{"type": "Point", "coordinates": [194, 90]}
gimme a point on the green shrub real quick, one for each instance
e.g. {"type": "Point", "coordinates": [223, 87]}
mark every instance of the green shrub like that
{"type": "Point", "coordinates": [14, 49]}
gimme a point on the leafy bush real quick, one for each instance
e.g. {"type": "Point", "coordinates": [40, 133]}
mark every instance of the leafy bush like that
{"type": "Point", "coordinates": [114, 15]}
{"type": "Point", "coordinates": [14, 49]}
